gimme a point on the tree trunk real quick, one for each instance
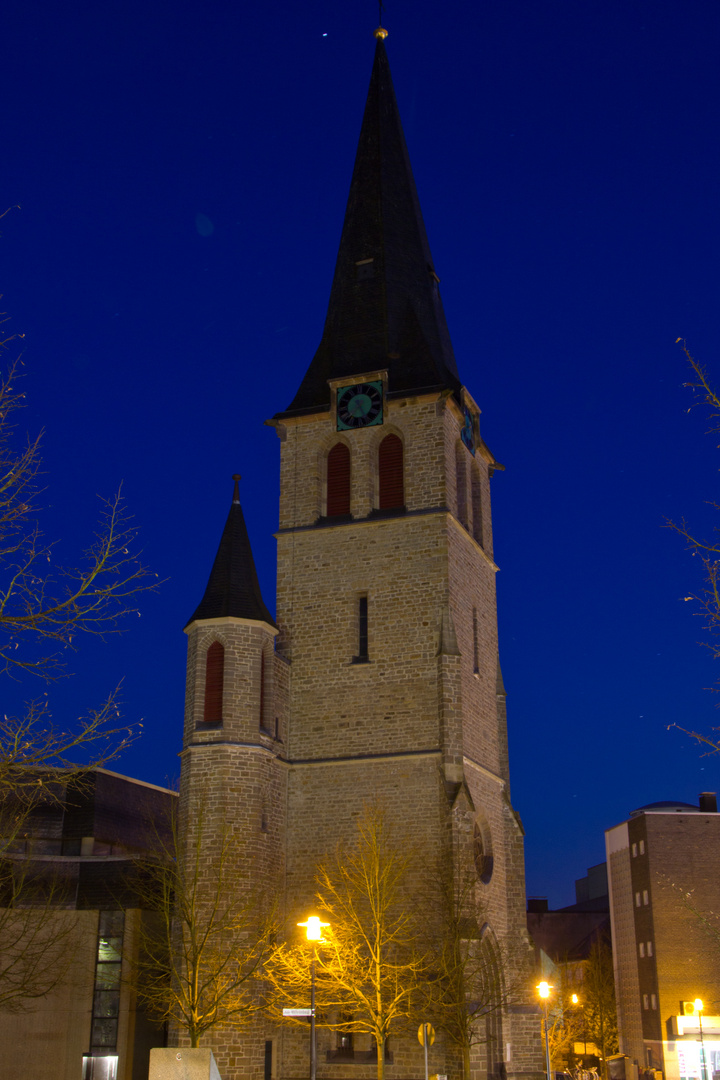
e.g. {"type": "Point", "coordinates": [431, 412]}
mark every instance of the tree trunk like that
{"type": "Point", "coordinates": [466, 1061]}
{"type": "Point", "coordinates": [381, 1059]}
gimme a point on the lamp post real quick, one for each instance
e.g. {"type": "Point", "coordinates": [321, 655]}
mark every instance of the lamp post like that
{"type": "Point", "coordinates": [699, 1010]}
{"type": "Point", "coordinates": [543, 990]}
{"type": "Point", "coordinates": [313, 932]}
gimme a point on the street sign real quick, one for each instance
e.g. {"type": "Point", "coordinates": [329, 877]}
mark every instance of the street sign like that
{"type": "Point", "coordinates": [430, 1034]}
{"type": "Point", "coordinates": [297, 1012]}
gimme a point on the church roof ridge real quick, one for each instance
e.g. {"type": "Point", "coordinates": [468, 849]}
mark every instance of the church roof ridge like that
{"type": "Point", "coordinates": [385, 310]}
{"type": "Point", "coordinates": [233, 587]}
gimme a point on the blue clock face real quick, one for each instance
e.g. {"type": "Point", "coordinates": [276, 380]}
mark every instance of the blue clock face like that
{"type": "Point", "coordinates": [360, 405]}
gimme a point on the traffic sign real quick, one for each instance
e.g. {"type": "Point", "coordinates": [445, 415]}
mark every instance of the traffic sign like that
{"type": "Point", "coordinates": [297, 1012]}
{"type": "Point", "coordinates": [430, 1034]}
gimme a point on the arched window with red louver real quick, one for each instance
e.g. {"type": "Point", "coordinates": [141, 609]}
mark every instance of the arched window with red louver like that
{"type": "Point", "coordinates": [214, 672]}
{"type": "Point", "coordinates": [390, 473]}
{"type": "Point", "coordinates": [338, 481]}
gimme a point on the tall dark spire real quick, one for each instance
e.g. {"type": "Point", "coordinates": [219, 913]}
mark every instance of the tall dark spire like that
{"type": "Point", "coordinates": [233, 587]}
{"type": "Point", "coordinates": [385, 309]}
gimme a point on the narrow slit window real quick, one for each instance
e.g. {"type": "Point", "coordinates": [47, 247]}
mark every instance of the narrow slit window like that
{"type": "Point", "coordinates": [214, 673]}
{"type": "Point", "coordinates": [390, 473]}
{"type": "Point", "coordinates": [362, 653]}
{"type": "Point", "coordinates": [338, 481]}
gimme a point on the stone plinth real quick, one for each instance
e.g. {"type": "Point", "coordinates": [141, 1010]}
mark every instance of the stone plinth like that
{"type": "Point", "coordinates": [169, 1063]}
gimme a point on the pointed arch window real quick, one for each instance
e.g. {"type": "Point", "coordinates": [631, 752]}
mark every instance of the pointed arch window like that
{"type": "Point", "coordinates": [338, 481]}
{"type": "Point", "coordinates": [390, 473]}
{"type": "Point", "coordinates": [214, 674]}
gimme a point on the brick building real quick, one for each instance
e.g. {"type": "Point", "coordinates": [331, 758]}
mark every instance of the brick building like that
{"type": "Point", "coordinates": [379, 680]}
{"type": "Point", "coordinates": [664, 888]}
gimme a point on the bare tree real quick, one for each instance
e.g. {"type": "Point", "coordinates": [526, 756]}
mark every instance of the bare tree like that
{"type": "Point", "coordinates": [368, 967]}
{"type": "Point", "coordinates": [599, 1007]}
{"type": "Point", "coordinates": [44, 606]}
{"type": "Point", "coordinates": [37, 933]}
{"type": "Point", "coordinates": [208, 934]}
{"type": "Point", "coordinates": [34, 750]}
{"type": "Point", "coordinates": [707, 551]}
{"type": "Point", "coordinates": [472, 977]}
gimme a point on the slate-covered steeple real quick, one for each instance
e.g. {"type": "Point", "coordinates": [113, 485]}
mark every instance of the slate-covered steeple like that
{"type": "Point", "coordinates": [385, 310]}
{"type": "Point", "coordinates": [233, 587]}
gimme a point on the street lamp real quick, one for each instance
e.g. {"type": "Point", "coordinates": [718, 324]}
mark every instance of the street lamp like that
{"type": "Point", "coordinates": [543, 990]}
{"type": "Point", "coordinates": [313, 932]}
{"type": "Point", "coordinates": [699, 1010]}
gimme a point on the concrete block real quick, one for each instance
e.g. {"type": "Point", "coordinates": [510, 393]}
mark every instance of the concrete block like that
{"type": "Point", "coordinates": [170, 1063]}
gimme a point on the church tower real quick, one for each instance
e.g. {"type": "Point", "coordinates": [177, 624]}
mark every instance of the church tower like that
{"type": "Point", "coordinates": [384, 674]}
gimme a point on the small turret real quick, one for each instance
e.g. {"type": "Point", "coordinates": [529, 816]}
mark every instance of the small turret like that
{"type": "Point", "coordinates": [233, 587]}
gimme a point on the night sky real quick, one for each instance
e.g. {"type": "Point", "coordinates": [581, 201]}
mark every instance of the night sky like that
{"type": "Point", "coordinates": [182, 171]}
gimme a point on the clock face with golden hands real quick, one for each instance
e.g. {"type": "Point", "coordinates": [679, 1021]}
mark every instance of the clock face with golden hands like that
{"type": "Point", "coordinates": [359, 405]}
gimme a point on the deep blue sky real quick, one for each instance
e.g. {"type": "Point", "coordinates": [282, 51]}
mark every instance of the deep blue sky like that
{"type": "Point", "coordinates": [182, 171]}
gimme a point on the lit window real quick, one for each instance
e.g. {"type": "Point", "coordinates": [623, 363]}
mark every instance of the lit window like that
{"type": "Point", "coordinates": [641, 947]}
{"type": "Point", "coordinates": [637, 899]}
{"type": "Point", "coordinates": [634, 851]}
{"type": "Point", "coordinates": [646, 898]}
{"type": "Point", "coordinates": [642, 847]}
{"type": "Point", "coordinates": [649, 948]}
{"type": "Point", "coordinates": [646, 1002]}
{"type": "Point", "coordinates": [653, 1001]}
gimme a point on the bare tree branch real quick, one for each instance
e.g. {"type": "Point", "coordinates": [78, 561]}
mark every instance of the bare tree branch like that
{"type": "Point", "coordinates": [44, 606]}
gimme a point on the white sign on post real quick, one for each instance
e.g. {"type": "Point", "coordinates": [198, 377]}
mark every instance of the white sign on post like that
{"type": "Point", "coordinates": [297, 1012]}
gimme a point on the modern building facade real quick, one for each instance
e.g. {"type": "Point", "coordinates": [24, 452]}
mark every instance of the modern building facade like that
{"type": "Point", "coordinates": [69, 929]}
{"type": "Point", "coordinates": [378, 681]}
{"type": "Point", "coordinates": [664, 899]}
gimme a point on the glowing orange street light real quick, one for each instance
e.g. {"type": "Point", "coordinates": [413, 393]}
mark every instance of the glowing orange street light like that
{"type": "Point", "coordinates": [699, 1010]}
{"type": "Point", "coordinates": [314, 933]}
{"type": "Point", "coordinates": [543, 990]}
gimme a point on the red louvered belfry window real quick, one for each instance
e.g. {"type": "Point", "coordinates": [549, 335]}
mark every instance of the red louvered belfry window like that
{"type": "Point", "coordinates": [390, 472]}
{"type": "Point", "coordinates": [338, 480]}
{"type": "Point", "coordinates": [214, 669]}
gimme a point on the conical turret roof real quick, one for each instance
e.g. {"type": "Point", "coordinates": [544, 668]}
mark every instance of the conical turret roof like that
{"type": "Point", "coordinates": [233, 587]}
{"type": "Point", "coordinates": [385, 310]}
